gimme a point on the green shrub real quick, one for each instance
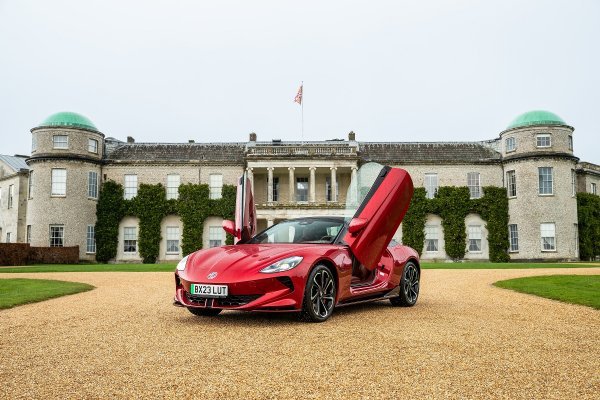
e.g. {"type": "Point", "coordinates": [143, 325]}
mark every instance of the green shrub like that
{"type": "Point", "coordinates": [588, 217]}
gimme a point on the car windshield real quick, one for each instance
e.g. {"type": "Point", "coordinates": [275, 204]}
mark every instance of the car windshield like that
{"type": "Point", "coordinates": [305, 230]}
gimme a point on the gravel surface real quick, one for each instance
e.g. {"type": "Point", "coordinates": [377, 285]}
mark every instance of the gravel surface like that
{"type": "Point", "coordinates": [464, 338]}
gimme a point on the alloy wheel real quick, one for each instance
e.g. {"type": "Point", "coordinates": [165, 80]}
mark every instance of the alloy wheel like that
{"type": "Point", "coordinates": [411, 283]}
{"type": "Point", "coordinates": [322, 293]}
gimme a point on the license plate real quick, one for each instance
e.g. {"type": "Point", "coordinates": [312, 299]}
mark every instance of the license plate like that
{"type": "Point", "coordinates": [209, 290]}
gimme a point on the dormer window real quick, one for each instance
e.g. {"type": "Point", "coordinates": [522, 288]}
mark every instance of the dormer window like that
{"type": "Point", "coordinates": [510, 144]}
{"type": "Point", "coordinates": [543, 140]}
{"type": "Point", "coordinates": [60, 141]}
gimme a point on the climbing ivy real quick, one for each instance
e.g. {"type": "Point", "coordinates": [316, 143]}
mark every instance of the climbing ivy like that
{"type": "Point", "coordinates": [151, 207]}
{"type": "Point", "coordinates": [110, 210]}
{"type": "Point", "coordinates": [453, 204]}
{"type": "Point", "coordinates": [588, 216]}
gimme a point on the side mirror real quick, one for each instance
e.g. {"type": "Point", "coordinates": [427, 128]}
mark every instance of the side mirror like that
{"type": "Point", "coordinates": [229, 227]}
{"type": "Point", "coordinates": [357, 224]}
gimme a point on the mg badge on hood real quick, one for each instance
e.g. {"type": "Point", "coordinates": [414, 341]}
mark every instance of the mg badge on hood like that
{"type": "Point", "coordinates": [212, 275]}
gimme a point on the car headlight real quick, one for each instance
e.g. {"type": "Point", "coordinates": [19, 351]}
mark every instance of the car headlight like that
{"type": "Point", "coordinates": [181, 264]}
{"type": "Point", "coordinates": [282, 265]}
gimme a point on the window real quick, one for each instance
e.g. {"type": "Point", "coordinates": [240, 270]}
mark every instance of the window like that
{"type": "Point", "coordinates": [431, 185]}
{"type": "Point", "coordinates": [275, 188]}
{"type": "Point", "coordinates": [11, 193]}
{"type": "Point", "coordinates": [511, 183]}
{"type": "Point", "coordinates": [28, 233]}
{"type": "Point", "coordinates": [173, 181]}
{"type": "Point", "coordinates": [130, 239]}
{"type": "Point", "coordinates": [7, 237]}
{"type": "Point", "coordinates": [328, 193]}
{"type": "Point", "coordinates": [60, 141]}
{"type": "Point", "coordinates": [93, 146]}
{"type": "Point", "coordinates": [474, 184]}
{"type": "Point", "coordinates": [91, 239]}
{"type": "Point", "coordinates": [33, 143]}
{"type": "Point", "coordinates": [301, 189]}
{"type": "Point", "coordinates": [474, 232]}
{"type": "Point", "coordinates": [57, 235]}
{"type": "Point", "coordinates": [30, 187]}
{"type": "Point", "coordinates": [93, 185]}
{"type": "Point", "coordinates": [544, 140]}
{"type": "Point", "coordinates": [172, 240]}
{"type": "Point", "coordinates": [573, 182]}
{"type": "Point", "coordinates": [130, 186]}
{"type": "Point", "coordinates": [576, 228]}
{"type": "Point", "coordinates": [431, 238]}
{"type": "Point", "coordinates": [570, 142]}
{"type": "Point", "coordinates": [548, 234]}
{"type": "Point", "coordinates": [513, 236]}
{"type": "Point", "coordinates": [593, 188]}
{"type": "Point", "coordinates": [59, 182]}
{"type": "Point", "coordinates": [216, 185]}
{"type": "Point", "coordinates": [510, 144]}
{"type": "Point", "coordinates": [215, 236]}
{"type": "Point", "coordinates": [545, 180]}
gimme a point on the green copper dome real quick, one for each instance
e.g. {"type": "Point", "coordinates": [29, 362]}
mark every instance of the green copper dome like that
{"type": "Point", "coordinates": [536, 117]}
{"type": "Point", "coordinates": [69, 119]}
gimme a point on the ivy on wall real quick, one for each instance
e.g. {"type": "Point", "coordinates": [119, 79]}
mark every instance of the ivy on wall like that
{"type": "Point", "coordinates": [151, 207]}
{"type": "Point", "coordinates": [453, 204]}
{"type": "Point", "coordinates": [588, 216]}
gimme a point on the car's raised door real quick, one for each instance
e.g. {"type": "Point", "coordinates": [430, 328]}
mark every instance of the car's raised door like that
{"type": "Point", "coordinates": [245, 211]}
{"type": "Point", "coordinates": [377, 201]}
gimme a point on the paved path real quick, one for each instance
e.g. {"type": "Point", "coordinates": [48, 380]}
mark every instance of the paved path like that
{"type": "Point", "coordinates": [464, 338]}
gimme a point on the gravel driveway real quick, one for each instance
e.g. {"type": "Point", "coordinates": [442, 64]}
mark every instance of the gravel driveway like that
{"type": "Point", "coordinates": [464, 338]}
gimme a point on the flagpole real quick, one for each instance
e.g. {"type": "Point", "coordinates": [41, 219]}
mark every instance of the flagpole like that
{"type": "Point", "coordinates": [302, 112]}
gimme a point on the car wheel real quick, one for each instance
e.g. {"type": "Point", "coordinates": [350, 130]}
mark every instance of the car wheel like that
{"type": "Point", "coordinates": [409, 287]}
{"type": "Point", "coordinates": [319, 295]}
{"type": "Point", "coordinates": [205, 312]}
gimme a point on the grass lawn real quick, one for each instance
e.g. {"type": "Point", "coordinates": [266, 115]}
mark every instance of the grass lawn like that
{"type": "Point", "coordinates": [14, 292]}
{"type": "Point", "coordinates": [171, 267]}
{"type": "Point", "coordinates": [515, 265]}
{"type": "Point", "coordinates": [575, 289]}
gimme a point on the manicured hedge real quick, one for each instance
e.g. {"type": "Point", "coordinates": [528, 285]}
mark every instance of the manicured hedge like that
{"type": "Point", "coordinates": [23, 254]}
{"type": "Point", "coordinates": [588, 216]}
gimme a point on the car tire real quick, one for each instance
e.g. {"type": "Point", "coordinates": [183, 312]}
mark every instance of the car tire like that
{"type": "Point", "coordinates": [409, 286]}
{"type": "Point", "coordinates": [319, 295]}
{"type": "Point", "coordinates": [205, 312]}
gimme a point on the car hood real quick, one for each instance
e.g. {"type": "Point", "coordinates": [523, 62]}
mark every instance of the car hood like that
{"type": "Point", "coordinates": [231, 261]}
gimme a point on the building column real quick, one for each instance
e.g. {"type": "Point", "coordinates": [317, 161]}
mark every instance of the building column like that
{"type": "Point", "coordinates": [270, 184]}
{"type": "Point", "coordinates": [250, 175]}
{"type": "Point", "coordinates": [269, 222]}
{"type": "Point", "coordinates": [354, 185]}
{"type": "Point", "coordinates": [312, 184]}
{"type": "Point", "coordinates": [292, 183]}
{"type": "Point", "coordinates": [334, 196]}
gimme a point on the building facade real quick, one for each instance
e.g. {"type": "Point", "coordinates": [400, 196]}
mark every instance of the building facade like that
{"type": "Point", "coordinates": [50, 197]}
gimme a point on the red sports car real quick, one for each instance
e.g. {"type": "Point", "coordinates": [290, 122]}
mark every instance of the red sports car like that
{"type": "Point", "coordinates": [309, 265]}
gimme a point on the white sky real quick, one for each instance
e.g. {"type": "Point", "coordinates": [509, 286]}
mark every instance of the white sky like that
{"type": "Point", "coordinates": [169, 71]}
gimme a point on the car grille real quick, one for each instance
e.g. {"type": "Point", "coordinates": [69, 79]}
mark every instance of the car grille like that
{"type": "Point", "coordinates": [229, 301]}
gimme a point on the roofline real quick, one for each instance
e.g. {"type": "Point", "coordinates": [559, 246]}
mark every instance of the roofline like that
{"type": "Point", "coordinates": [66, 127]}
{"type": "Point", "coordinates": [535, 126]}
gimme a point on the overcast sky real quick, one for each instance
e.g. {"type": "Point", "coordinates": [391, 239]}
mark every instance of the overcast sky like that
{"type": "Point", "coordinates": [169, 71]}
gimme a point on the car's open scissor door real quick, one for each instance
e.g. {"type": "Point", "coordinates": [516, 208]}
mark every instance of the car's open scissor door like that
{"type": "Point", "coordinates": [381, 196]}
{"type": "Point", "coordinates": [245, 210]}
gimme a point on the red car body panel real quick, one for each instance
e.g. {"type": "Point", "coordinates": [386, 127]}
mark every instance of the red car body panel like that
{"type": "Point", "coordinates": [239, 266]}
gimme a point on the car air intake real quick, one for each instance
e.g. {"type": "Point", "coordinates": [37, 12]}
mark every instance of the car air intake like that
{"type": "Point", "coordinates": [286, 281]}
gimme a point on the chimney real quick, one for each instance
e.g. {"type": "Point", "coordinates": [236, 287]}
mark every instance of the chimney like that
{"type": "Point", "coordinates": [352, 136]}
{"type": "Point", "coordinates": [130, 139]}
{"type": "Point", "coordinates": [253, 137]}
{"type": "Point", "coordinates": [191, 141]}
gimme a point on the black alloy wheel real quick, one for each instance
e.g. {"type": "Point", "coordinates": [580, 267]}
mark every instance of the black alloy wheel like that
{"type": "Point", "coordinates": [319, 295]}
{"type": "Point", "coordinates": [409, 286]}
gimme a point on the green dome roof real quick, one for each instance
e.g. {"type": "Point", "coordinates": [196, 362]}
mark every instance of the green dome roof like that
{"type": "Point", "coordinates": [536, 117]}
{"type": "Point", "coordinates": [69, 119]}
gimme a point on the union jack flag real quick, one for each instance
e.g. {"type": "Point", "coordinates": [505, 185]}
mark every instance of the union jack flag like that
{"type": "Point", "coordinates": [298, 98]}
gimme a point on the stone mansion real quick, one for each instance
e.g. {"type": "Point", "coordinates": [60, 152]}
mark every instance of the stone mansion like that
{"type": "Point", "coordinates": [49, 198]}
